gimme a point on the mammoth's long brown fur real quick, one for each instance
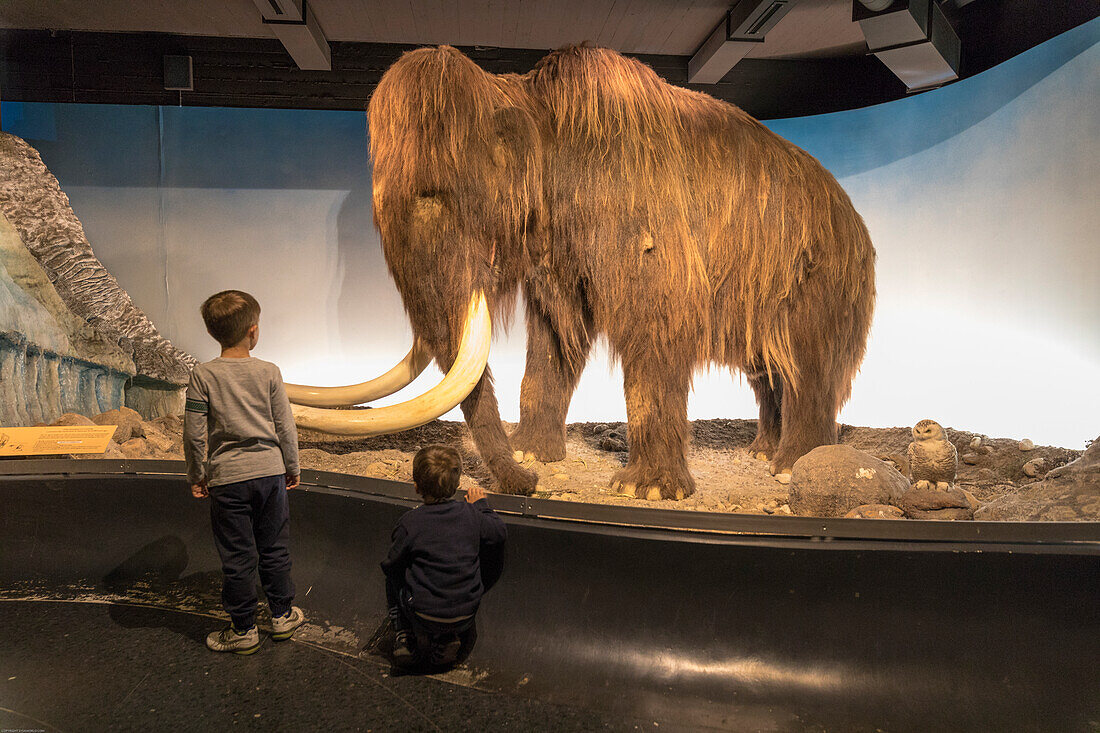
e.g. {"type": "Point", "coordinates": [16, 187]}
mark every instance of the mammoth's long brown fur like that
{"type": "Point", "coordinates": [672, 223]}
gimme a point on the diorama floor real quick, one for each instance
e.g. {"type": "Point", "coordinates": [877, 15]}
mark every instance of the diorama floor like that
{"type": "Point", "coordinates": [88, 667]}
{"type": "Point", "coordinates": [728, 477]}
{"type": "Point", "coordinates": [1005, 477]}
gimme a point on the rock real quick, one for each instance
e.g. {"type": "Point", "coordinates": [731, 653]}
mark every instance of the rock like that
{"type": "Point", "coordinates": [128, 421]}
{"type": "Point", "coordinates": [918, 500]}
{"type": "Point", "coordinates": [783, 509]}
{"type": "Point", "coordinates": [1069, 493]}
{"type": "Point", "coordinates": [901, 463]}
{"type": "Point", "coordinates": [975, 504]}
{"type": "Point", "coordinates": [71, 418]}
{"type": "Point", "coordinates": [783, 478]}
{"type": "Point", "coordinates": [875, 511]}
{"type": "Point", "coordinates": [171, 424]}
{"type": "Point", "coordinates": [161, 442]}
{"type": "Point", "coordinates": [560, 476]}
{"type": "Point", "coordinates": [986, 474]}
{"type": "Point", "coordinates": [970, 459]}
{"type": "Point", "coordinates": [976, 443]}
{"type": "Point", "coordinates": [612, 443]}
{"type": "Point", "coordinates": [137, 448]}
{"type": "Point", "coordinates": [1026, 445]}
{"type": "Point", "coordinates": [828, 481]}
{"type": "Point", "coordinates": [1034, 466]}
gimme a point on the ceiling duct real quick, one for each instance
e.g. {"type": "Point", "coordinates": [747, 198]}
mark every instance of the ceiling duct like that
{"type": "Point", "coordinates": [743, 27]}
{"type": "Point", "coordinates": [294, 23]}
{"type": "Point", "coordinates": [914, 39]}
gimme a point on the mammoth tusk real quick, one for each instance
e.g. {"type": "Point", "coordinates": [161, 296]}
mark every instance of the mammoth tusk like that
{"type": "Point", "coordinates": [469, 364]}
{"type": "Point", "coordinates": [395, 379]}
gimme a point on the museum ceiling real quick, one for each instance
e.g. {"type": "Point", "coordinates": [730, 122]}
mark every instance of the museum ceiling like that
{"type": "Point", "coordinates": [815, 57]}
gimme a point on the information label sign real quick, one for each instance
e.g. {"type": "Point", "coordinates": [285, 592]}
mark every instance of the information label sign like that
{"type": "Point", "coordinates": [57, 440]}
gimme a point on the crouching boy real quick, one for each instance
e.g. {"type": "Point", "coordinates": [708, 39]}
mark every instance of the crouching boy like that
{"type": "Point", "coordinates": [434, 571]}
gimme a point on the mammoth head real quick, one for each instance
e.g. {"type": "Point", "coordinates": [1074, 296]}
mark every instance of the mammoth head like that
{"type": "Point", "coordinates": [456, 165]}
{"type": "Point", "coordinates": [456, 160]}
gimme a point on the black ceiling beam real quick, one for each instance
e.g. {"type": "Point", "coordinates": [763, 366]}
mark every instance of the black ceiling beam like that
{"type": "Point", "coordinates": [127, 68]}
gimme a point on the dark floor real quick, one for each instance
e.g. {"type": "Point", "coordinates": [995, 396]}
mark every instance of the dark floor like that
{"type": "Point", "coordinates": [88, 667]}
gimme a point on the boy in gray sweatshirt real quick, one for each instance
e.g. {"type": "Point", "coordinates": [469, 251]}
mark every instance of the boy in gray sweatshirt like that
{"type": "Point", "coordinates": [241, 448]}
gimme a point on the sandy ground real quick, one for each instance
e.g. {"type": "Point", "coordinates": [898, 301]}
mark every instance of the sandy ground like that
{"type": "Point", "coordinates": [728, 478]}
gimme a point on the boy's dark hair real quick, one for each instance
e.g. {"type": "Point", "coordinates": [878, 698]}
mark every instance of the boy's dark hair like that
{"type": "Point", "coordinates": [436, 470]}
{"type": "Point", "coordinates": [229, 314]}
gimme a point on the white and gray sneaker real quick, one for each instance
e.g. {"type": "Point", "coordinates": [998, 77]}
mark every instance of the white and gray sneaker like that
{"type": "Point", "coordinates": [283, 627]}
{"type": "Point", "coordinates": [229, 640]}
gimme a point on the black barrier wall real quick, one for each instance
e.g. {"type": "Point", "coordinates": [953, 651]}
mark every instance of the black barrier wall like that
{"type": "Point", "coordinates": [736, 631]}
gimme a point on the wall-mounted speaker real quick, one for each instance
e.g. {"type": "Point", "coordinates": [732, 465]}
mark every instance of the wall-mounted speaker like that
{"type": "Point", "coordinates": [177, 73]}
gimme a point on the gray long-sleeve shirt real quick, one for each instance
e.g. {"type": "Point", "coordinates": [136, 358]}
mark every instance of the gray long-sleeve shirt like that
{"type": "Point", "coordinates": [237, 423]}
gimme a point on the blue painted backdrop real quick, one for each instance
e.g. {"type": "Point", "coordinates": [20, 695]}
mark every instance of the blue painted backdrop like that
{"type": "Point", "coordinates": [980, 197]}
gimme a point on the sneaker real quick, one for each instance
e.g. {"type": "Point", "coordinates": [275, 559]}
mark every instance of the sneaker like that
{"type": "Point", "coordinates": [403, 655]}
{"type": "Point", "coordinates": [445, 653]}
{"type": "Point", "coordinates": [283, 627]}
{"type": "Point", "coordinates": [230, 640]}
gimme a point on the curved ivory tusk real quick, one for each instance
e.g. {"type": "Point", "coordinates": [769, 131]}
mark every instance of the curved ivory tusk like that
{"type": "Point", "coordinates": [395, 379]}
{"type": "Point", "coordinates": [473, 354]}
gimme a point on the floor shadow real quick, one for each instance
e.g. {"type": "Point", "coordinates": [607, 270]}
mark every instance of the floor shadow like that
{"type": "Point", "coordinates": [152, 578]}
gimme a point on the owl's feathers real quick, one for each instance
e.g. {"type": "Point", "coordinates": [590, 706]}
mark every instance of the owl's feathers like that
{"type": "Point", "coordinates": [932, 457]}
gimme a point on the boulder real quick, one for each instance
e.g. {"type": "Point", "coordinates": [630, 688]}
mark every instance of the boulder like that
{"type": "Point", "coordinates": [1069, 493]}
{"type": "Point", "coordinates": [875, 511]}
{"type": "Point", "coordinates": [831, 480]}
{"type": "Point", "coordinates": [171, 424]}
{"type": "Point", "coordinates": [128, 422]}
{"type": "Point", "coordinates": [137, 448]}
{"type": "Point", "coordinates": [161, 442]}
{"type": "Point", "coordinates": [71, 418]}
{"type": "Point", "coordinates": [613, 441]}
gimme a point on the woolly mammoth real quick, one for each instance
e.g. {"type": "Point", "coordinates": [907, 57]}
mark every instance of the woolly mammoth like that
{"type": "Point", "coordinates": [673, 224]}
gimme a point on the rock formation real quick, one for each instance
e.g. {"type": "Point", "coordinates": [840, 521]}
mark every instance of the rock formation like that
{"type": "Point", "coordinates": [831, 480]}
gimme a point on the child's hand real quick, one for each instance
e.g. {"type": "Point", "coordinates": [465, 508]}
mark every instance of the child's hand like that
{"type": "Point", "coordinates": [293, 481]}
{"type": "Point", "coordinates": [199, 490]}
{"type": "Point", "coordinates": [474, 493]}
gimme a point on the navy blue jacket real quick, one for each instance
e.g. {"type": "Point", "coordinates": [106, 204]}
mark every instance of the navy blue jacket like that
{"type": "Point", "coordinates": [437, 551]}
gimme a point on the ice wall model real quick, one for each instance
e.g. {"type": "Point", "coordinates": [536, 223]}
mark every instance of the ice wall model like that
{"type": "Point", "coordinates": [70, 338]}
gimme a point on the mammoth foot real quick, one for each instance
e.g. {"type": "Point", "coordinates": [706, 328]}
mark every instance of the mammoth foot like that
{"type": "Point", "coordinates": [783, 459]}
{"type": "Point", "coordinates": [511, 478]}
{"type": "Point", "coordinates": [762, 448]}
{"type": "Point", "coordinates": [532, 445]}
{"type": "Point", "coordinates": [653, 484]}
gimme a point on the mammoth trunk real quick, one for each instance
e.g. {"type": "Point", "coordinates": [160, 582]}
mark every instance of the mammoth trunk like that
{"type": "Point", "coordinates": [444, 329]}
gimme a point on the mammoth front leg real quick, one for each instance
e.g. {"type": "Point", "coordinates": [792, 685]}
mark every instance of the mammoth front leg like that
{"type": "Point", "coordinates": [483, 417]}
{"type": "Point", "coordinates": [548, 383]}
{"type": "Point", "coordinates": [657, 428]}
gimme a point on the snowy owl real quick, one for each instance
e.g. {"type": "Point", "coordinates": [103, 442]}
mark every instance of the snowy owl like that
{"type": "Point", "coordinates": [933, 461]}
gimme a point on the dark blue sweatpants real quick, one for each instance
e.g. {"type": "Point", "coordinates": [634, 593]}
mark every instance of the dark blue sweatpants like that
{"type": "Point", "coordinates": [251, 522]}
